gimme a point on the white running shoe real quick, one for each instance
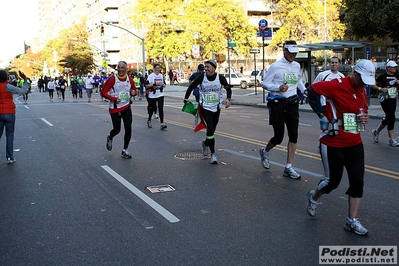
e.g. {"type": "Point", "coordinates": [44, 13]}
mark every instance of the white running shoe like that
{"type": "Point", "coordinates": [214, 159]}
{"type": "Point", "coordinates": [354, 225]}
{"type": "Point", "coordinates": [311, 205]}
{"type": "Point", "coordinates": [205, 149]}
{"type": "Point", "coordinates": [393, 143]}
{"type": "Point", "coordinates": [290, 172]}
{"type": "Point", "coordinates": [156, 116]}
{"type": "Point", "coordinates": [264, 158]}
{"type": "Point", "coordinates": [11, 160]}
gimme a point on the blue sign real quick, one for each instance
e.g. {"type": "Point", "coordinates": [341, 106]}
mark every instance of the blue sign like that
{"type": "Point", "coordinates": [266, 33]}
{"type": "Point", "coordinates": [263, 24]}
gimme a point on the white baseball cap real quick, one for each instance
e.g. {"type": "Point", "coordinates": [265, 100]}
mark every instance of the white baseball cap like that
{"type": "Point", "coordinates": [292, 48]}
{"type": "Point", "coordinates": [391, 64]}
{"type": "Point", "coordinates": [366, 70]}
{"type": "Point", "coordinates": [89, 74]}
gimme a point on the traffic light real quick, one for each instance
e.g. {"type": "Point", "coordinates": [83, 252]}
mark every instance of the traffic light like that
{"type": "Point", "coordinates": [102, 30]}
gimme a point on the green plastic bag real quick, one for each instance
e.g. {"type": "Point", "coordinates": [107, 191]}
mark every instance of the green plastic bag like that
{"type": "Point", "coordinates": [190, 108]}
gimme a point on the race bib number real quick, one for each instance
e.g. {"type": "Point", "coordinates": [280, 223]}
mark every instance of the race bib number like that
{"type": "Point", "coordinates": [350, 122]}
{"type": "Point", "coordinates": [124, 96]}
{"type": "Point", "coordinates": [211, 98]}
{"type": "Point", "coordinates": [392, 92]}
{"type": "Point", "coordinates": [62, 86]}
{"type": "Point", "coordinates": [290, 78]}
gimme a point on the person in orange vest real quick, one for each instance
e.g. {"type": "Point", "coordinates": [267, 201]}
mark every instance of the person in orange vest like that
{"type": "Point", "coordinates": [7, 110]}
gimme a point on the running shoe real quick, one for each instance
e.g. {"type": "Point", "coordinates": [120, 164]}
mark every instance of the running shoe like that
{"type": "Point", "coordinates": [11, 160]}
{"type": "Point", "coordinates": [149, 124]}
{"type": "Point", "coordinates": [126, 154]}
{"type": "Point", "coordinates": [375, 134]}
{"type": "Point", "coordinates": [264, 158]}
{"type": "Point", "coordinates": [214, 159]}
{"type": "Point", "coordinates": [354, 225]}
{"type": "Point", "coordinates": [163, 126]}
{"type": "Point", "coordinates": [311, 205]}
{"type": "Point", "coordinates": [393, 143]}
{"type": "Point", "coordinates": [205, 149]}
{"type": "Point", "coordinates": [290, 172]}
{"type": "Point", "coordinates": [156, 116]}
{"type": "Point", "coordinates": [109, 143]}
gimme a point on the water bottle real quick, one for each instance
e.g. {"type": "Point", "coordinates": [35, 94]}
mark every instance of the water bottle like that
{"type": "Point", "coordinates": [360, 126]}
{"type": "Point", "coordinates": [323, 123]}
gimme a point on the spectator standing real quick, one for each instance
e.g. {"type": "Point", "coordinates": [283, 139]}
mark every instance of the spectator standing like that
{"type": "Point", "coordinates": [40, 84]}
{"type": "Point", "coordinates": [170, 75]}
{"type": "Point", "coordinates": [7, 110]}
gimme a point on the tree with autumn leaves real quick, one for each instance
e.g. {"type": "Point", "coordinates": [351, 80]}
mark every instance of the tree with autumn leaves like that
{"type": "Point", "coordinates": [76, 56]}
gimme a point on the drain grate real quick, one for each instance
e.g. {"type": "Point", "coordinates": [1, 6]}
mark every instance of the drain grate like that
{"type": "Point", "coordinates": [160, 188]}
{"type": "Point", "coordinates": [190, 156]}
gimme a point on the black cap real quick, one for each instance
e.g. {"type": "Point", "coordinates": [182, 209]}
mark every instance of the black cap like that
{"type": "Point", "coordinates": [201, 67]}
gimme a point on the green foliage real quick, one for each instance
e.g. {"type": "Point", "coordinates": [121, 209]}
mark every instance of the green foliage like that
{"type": "Point", "coordinates": [371, 19]}
{"type": "Point", "coordinates": [76, 56]}
{"type": "Point", "coordinates": [303, 21]}
{"type": "Point", "coordinates": [172, 26]}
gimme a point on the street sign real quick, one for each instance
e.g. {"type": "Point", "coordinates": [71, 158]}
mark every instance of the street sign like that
{"type": "Point", "coordinates": [232, 44]}
{"type": "Point", "coordinates": [266, 33]}
{"type": "Point", "coordinates": [254, 51]}
{"type": "Point", "coordinates": [263, 24]}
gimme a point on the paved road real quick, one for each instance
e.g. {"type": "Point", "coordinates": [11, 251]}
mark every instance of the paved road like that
{"type": "Point", "coordinates": [69, 201]}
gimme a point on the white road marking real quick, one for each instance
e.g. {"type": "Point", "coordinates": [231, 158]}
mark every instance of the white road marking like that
{"type": "Point", "coordinates": [47, 122]}
{"type": "Point", "coordinates": [161, 210]}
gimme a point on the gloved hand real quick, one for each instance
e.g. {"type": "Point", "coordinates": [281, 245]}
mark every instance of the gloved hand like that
{"type": "Point", "coordinates": [324, 123]}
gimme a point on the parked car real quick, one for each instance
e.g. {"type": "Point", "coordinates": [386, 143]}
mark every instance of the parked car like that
{"type": "Point", "coordinates": [258, 74]}
{"type": "Point", "coordinates": [237, 79]}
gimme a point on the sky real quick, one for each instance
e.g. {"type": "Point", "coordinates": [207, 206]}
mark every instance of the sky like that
{"type": "Point", "coordinates": [20, 18]}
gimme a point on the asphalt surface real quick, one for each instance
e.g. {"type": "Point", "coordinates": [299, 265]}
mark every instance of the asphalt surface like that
{"type": "Point", "coordinates": [69, 201]}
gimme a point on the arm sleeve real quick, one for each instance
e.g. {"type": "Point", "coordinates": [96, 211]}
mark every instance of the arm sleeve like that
{"type": "Point", "coordinates": [267, 82]}
{"type": "Point", "coordinates": [193, 85]}
{"type": "Point", "coordinates": [107, 87]}
{"type": "Point", "coordinates": [17, 90]}
{"type": "Point", "coordinates": [314, 101]}
{"type": "Point", "coordinates": [226, 86]}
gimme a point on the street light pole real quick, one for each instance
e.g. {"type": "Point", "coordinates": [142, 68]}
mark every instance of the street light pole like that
{"type": "Point", "coordinates": [142, 41]}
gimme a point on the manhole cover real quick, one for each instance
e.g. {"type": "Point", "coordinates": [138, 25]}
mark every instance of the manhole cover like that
{"type": "Point", "coordinates": [190, 156]}
{"type": "Point", "coordinates": [160, 188]}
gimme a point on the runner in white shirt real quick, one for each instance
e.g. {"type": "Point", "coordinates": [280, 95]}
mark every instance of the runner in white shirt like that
{"type": "Point", "coordinates": [88, 83]}
{"type": "Point", "coordinates": [331, 74]}
{"type": "Point", "coordinates": [156, 84]}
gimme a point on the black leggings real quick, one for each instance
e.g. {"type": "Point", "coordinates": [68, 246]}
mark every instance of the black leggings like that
{"type": "Point", "coordinates": [51, 94]}
{"type": "Point", "coordinates": [334, 161]}
{"type": "Point", "coordinates": [126, 116]}
{"type": "Point", "coordinates": [211, 119]}
{"type": "Point", "coordinates": [290, 118]}
{"type": "Point", "coordinates": [389, 107]}
{"type": "Point", "coordinates": [152, 107]}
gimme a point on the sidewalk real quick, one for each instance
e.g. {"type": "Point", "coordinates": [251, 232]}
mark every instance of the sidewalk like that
{"type": "Point", "coordinates": [247, 97]}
